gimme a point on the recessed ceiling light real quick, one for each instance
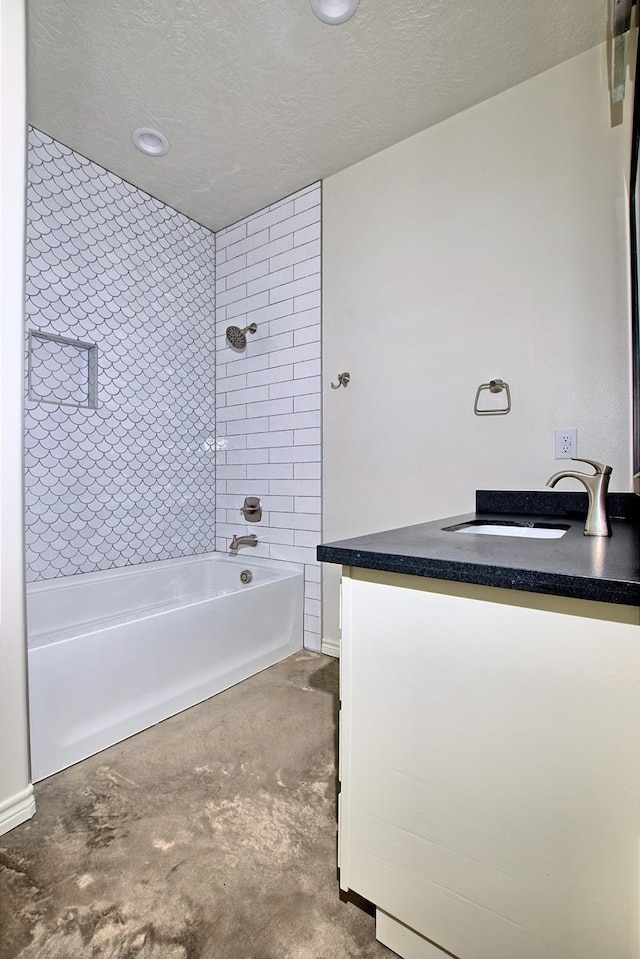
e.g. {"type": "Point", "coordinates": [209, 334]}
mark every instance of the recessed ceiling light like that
{"type": "Point", "coordinates": [151, 142]}
{"type": "Point", "coordinates": [334, 11]}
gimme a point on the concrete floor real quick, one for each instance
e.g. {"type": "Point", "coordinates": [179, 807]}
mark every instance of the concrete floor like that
{"type": "Point", "coordinates": [210, 836]}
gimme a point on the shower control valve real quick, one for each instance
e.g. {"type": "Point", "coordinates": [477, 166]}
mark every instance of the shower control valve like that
{"type": "Point", "coordinates": [252, 509]}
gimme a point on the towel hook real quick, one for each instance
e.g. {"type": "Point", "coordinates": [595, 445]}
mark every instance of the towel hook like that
{"type": "Point", "coordinates": [343, 380]}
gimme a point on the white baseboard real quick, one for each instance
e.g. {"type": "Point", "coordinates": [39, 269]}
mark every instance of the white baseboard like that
{"type": "Point", "coordinates": [331, 647]}
{"type": "Point", "coordinates": [17, 809]}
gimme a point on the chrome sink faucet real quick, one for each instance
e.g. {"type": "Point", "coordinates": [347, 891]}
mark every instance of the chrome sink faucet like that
{"type": "Point", "coordinates": [596, 485]}
{"type": "Point", "coordinates": [237, 541]}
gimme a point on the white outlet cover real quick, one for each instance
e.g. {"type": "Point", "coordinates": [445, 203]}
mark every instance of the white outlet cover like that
{"type": "Point", "coordinates": [566, 443]}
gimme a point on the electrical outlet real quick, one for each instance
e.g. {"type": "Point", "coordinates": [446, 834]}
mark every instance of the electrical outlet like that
{"type": "Point", "coordinates": [566, 444]}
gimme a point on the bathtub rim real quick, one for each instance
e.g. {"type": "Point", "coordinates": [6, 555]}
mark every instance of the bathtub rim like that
{"type": "Point", "coordinates": [86, 627]}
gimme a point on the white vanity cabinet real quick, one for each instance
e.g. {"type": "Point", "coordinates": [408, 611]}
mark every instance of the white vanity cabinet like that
{"type": "Point", "coordinates": [490, 769]}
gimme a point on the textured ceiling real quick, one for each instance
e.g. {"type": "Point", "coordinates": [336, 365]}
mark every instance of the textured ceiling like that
{"type": "Point", "coordinates": [258, 98]}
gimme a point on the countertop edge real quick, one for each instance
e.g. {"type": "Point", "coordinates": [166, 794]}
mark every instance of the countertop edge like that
{"type": "Point", "coordinates": [553, 584]}
{"type": "Point", "coordinates": [419, 550]}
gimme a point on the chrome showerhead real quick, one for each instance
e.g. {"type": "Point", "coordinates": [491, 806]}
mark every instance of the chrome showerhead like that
{"type": "Point", "coordinates": [237, 338]}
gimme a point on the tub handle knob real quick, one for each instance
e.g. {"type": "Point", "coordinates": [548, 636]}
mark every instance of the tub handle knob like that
{"type": "Point", "coordinates": [252, 509]}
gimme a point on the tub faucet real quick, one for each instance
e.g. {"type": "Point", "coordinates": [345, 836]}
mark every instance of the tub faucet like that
{"type": "Point", "coordinates": [238, 541]}
{"type": "Point", "coordinates": [596, 485]}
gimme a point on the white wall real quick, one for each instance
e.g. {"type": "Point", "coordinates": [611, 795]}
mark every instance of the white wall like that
{"type": "Point", "coordinates": [268, 397]}
{"type": "Point", "coordinates": [16, 792]}
{"type": "Point", "coordinates": [491, 245]}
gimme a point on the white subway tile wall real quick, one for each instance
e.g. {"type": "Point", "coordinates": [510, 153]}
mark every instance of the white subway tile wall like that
{"type": "Point", "coordinates": [133, 480]}
{"type": "Point", "coordinates": [268, 398]}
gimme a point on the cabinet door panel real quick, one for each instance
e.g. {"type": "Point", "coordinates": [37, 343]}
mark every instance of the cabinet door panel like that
{"type": "Point", "coordinates": [490, 772]}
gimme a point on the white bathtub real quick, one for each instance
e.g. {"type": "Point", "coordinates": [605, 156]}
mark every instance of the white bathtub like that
{"type": "Point", "coordinates": [115, 652]}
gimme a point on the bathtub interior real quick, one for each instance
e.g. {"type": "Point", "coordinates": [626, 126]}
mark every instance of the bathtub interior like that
{"type": "Point", "coordinates": [61, 608]}
{"type": "Point", "coordinates": [102, 666]}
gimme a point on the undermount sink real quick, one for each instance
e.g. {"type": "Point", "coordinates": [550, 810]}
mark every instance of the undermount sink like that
{"type": "Point", "coordinates": [491, 527]}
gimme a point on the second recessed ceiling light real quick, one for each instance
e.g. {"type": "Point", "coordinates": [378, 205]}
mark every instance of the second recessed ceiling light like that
{"type": "Point", "coordinates": [151, 142]}
{"type": "Point", "coordinates": [334, 11]}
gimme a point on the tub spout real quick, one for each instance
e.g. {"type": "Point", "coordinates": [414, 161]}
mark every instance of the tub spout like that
{"type": "Point", "coordinates": [596, 485]}
{"type": "Point", "coordinates": [237, 541]}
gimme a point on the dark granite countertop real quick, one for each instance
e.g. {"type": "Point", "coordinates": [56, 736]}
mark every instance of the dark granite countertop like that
{"type": "Point", "coordinates": [606, 569]}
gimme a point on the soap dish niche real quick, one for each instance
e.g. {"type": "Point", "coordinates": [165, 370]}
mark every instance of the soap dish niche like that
{"type": "Point", "coordinates": [62, 370]}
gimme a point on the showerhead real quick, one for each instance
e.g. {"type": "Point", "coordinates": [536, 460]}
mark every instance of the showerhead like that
{"type": "Point", "coordinates": [237, 338]}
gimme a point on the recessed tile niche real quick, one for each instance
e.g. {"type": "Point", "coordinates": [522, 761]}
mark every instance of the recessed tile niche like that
{"type": "Point", "coordinates": [62, 371]}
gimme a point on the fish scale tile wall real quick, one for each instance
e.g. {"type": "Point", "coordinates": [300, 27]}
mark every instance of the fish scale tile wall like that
{"type": "Point", "coordinates": [133, 480]}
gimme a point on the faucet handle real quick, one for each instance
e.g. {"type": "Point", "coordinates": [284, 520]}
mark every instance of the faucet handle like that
{"type": "Point", "coordinates": [598, 467]}
{"type": "Point", "coordinates": [252, 509]}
